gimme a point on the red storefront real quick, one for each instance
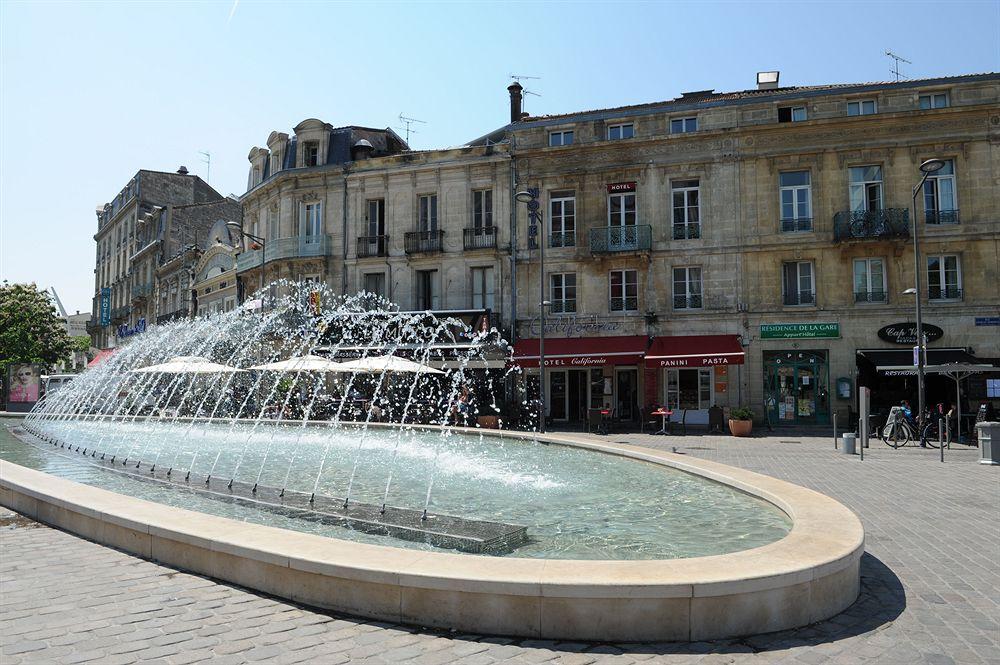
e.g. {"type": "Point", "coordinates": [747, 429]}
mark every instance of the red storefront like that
{"type": "Point", "coordinates": [692, 372]}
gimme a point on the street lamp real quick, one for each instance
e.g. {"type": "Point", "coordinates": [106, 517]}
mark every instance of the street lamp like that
{"type": "Point", "coordinates": [530, 197]}
{"type": "Point", "coordinates": [927, 168]}
{"type": "Point", "coordinates": [236, 227]}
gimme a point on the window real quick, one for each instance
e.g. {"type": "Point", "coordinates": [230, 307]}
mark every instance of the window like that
{"type": "Point", "coordinates": [376, 217]}
{"type": "Point", "coordinates": [312, 221]}
{"type": "Point", "coordinates": [623, 131]}
{"type": "Point", "coordinates": [944, 278]}
{"type": "Point", "coordinates": [375, 283]}
{"type": "Point", "coordinates": [621, 209]}
{"type": "Point", "coordinates": [624, 287]}
{"type": "Point", "coordinates": [791, 114]}
{"type": "Point", "coordinates": [869, 280]}
{"type": "Point", "coordinates": [795, 188]}
{"type": "Point", "coordinates": [939, 196]}
{"type": "Point", "coordinates": [427, 289]}
{"type": "Point", "coordinates": [482, 208]}
{"type": "Point", "coordinates": [564, 137]}
{"type": "Point", "coordinates": [862, 107]}
{"type": "Point", "coordinates": [272, 224]}
{"type": "Point", "coordinates": [687, 288]}
{"type": "Point", "coordinates": [687, 220]}
{"type": "Point", "coordinates": [866, 188]}
{"type": "Point", "coordinates": [797, 284]}
{"type": "Point", "coordinates": [255, 177]}
{"type": "Point", "coordinates": [230, 304]}
{"type": "Point", "coordinates": [309, 278]}
{"type": "Point", "coordinates": [562, 292]}
{"type": "Point", "coordinates": [275, 163]}
{"type": "Point", "coordinates": [428, 212]}
{"type": "Point", "coordinates": [993, 388]}
{"type": "Point", "coordinates": [482, 288]}
{"type": "Point", "coordinates": [683, 125]}
{"type": "Point", "coordinates": [688, 388]}
{"type": "Point", "coordinates": [935, 101]}
{"type": "Point", "coordinates": [562, 213]}
{"type": "Point", "coordinates": [310, 154]}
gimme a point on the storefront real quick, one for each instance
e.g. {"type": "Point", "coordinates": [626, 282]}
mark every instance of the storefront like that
{"type": "Point", "coordinates": [890, 388]}
{"type": "Point", "coordinates": [797, 387]}
{"type": "Point", "coordinates": [693, 372]}
{"type": "Point", "coordinates": [585, 373]}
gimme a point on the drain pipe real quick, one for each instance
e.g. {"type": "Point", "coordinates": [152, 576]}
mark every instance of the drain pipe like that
{"type": "Point", "coordinates": [343, 262]}
{"type": "Point", "coordinates": [513, 242]}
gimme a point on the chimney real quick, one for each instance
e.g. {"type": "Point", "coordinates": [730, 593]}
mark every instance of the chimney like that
{"type": "Point", "coordinates": [515, 101]}
{"type": "Point", "coordinates": [183, 170]}
{"type": "Point", "coordinates": [767, 80]}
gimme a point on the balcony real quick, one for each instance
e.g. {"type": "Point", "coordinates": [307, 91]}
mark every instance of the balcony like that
{"type": "Point", "coordinates": [93, 325]}
{"type": "Point", "coordinates": [612, 239]}
{"type": "Point", "coordinates": [796, 298]}
{"type": "Point", "coordinates": [285, 248]}
{"type": "Point", "coordinates": [794, 225]}
{"type": "Point", "coordinates": [871, 224]}
{"type": "Point", "coordinates": [941, 216]}
{"type": "Point", "coordinates": [369, 246]}
{"type": "Point", "coordinates": [687, 302]}
{"type": "Point", "coordinates": [120, 313]}
{"type": "Point", "coordinates": [629, 304]}
{"type": "Point", "coordinates": [562, 307]}
{"type": "Point", "coordinates": [687, 231]}
{"type": "Point", "coordinates": [870, 296]}
{"type": "Point", "coordinates": [947, 293]}
{"type": "Point", "coordinates": [423, 242]}
{"type": "Point", "coordinates": [481, 237]}
{"type": "Point", "coordinates": [172, 316]}
{"type": "Point", "coordinates": [142, 291]}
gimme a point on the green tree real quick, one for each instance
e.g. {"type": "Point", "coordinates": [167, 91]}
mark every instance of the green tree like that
{"type": "Point", "coordinates": [30, 330]}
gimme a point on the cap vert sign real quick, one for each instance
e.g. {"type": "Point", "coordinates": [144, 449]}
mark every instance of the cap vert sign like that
{"type": "Point", "coordinates": [799, 330]}
{"type": "Point", "coordinates": [906, 333]}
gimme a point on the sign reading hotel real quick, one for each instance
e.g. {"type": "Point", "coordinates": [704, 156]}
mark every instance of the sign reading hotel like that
{"type": "Point", "coordinates": [616, 187]}
{"type": "Point", "coordinates": [799, 330]}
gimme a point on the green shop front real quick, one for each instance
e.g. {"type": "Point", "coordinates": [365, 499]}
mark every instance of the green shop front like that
{"type": "Point", "coordinates": [797, 380]}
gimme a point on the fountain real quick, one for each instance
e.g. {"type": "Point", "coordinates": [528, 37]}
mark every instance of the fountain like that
{"type": "Point", "coordinates": [342, 434]}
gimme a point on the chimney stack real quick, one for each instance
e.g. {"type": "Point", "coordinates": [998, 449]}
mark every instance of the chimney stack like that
{"type": "Point", "coordinates": [516, 96]}
{"type": "Point", "coordinates": [767, 80]}
{"type": "Point", "coordinates": [182, 170]}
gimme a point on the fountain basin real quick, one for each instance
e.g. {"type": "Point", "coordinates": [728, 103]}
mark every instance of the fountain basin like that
{"type": "Point", "coordinates": [809, 575]}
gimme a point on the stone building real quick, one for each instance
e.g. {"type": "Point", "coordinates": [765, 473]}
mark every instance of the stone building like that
{"type": "Point", "coordinates": [752, 248]}
{"type": "Point", "coordinates": [214, 274]}
{"type": "Point", "coordinates": [129, 239]}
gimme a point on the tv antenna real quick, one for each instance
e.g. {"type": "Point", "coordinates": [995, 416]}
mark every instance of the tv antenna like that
{"type": "Point", "coordinates": [895, 66]}
{"type": "Point", "coordinates": [518, 77]}
{"type": "Point", "coordinates": [409, 121]}
{"type": "Point", "coordinates": [206, 157]}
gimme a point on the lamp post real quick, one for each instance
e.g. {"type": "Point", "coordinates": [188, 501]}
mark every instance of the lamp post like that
{"type": "Point", "coordinates": [236, 227]}
{"type": "Point", "coordinates": [928, 167]}
{"type": "Point", "coordinates": [535, 230]}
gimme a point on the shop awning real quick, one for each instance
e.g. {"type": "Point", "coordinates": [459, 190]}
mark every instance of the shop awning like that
{"type": "Point", "coordinates": [101, 356]}
{"type": "Point", "coordinates": [695, 351]}
{"type": "Point", "coordinates": [582, 352]}
{"type": "Point", "coordinates": [899, 361]}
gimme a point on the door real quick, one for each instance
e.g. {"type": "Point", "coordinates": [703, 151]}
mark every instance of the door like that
{"type": "Point", "coordinates": [796, 390]}
{"type": "Point", "coordinates": [626, 407]}
{"type": "Point", "coordinates": [577, 395]}
{"type": "Point", "coordinates": [557, 395]}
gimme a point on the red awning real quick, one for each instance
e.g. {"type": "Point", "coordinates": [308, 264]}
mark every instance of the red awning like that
{"type": "Point", "coordinates": [695, 351]}
{"type": "Point", "coordinates": [101, 357]}
{"type": "Point", "coordinates": [582, 352]}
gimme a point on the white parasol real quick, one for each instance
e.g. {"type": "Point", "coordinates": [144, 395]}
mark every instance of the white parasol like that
{"type": "Point", "coordinates": [389, 363]}
{"type": "Point", "coordinates": [188, 365]}
{"type": "Point", "coordinates": [306, 363]}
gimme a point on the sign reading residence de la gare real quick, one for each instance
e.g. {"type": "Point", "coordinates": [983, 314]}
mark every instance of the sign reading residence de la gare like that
{"type": "Point", "coordinates": [799, 330]}
{"type": "Point", "coordinates": [906, 333]}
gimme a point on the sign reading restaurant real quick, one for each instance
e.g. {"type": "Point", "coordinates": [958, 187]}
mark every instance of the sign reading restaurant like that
{"type": "Point", "coordinates": [799, 330]}
{"type": "Point", "coordinates": [906, 333]}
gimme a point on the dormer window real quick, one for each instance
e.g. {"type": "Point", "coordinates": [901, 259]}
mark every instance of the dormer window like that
{"type": "Point", "coordinates": [311, 153]}
{"type": "Point", "coordinates": [936, 101]}
{"type": "Point", "coordinates": [683, 125]}
{"type": "Point", "coordinates": [862, 107]}
{"type": "Point", "coordinates": [791, 114]}
{"type": "Point", "coordinates": [256, 175]}
{"type": "Point", "coordinates": [561, 138]}
{"type": "Point", "coordinates": [623, 131]}
{"type": "Point", "coordinates": [275, 163]}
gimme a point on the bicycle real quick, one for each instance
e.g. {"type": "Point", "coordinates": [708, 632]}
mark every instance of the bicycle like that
{"type": "Point", "coordinates": [898, 430]}
{"type": "Point", "coordinates": [929, 436]}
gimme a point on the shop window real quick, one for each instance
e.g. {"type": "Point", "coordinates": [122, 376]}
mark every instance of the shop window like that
{"type": "Point", "coordinates": [869, 281]}
{"type": "Point", "coordinates": [482, 288]}
{"type": "Point", "coordinates": [939, 196]}
{"type": "Point", "coordinates": [795, 190]}
{"type": "Point", "coordinates": [993, 388]}
{"type": "Point", "coordinates": [944, 277]}
{"type": "Point", "coordinates": [562, 293]}
{"type": "Point", "coordinates": [622, 131]}
{"type": "Point", "coordinates": [796, 389]}
{"type": "Point", "coordinates": [688, 388]}
{"type": "Point", "coordinates": [597, 383]}
{"type": "Point", "coordinates": [798, 287]}
{"type": "Point", "coordinates": [686, 208]}
{"type": "Point", "coordinates": [683, 125]}
{"type": "Point", "coordinates": [866, 188]}
{"type": "Point", "coordinates": [936, 101]}
{"type": "Point", "coordinates": [624, 287]}
{"type": "Point", "coordinates": [687, 288]}
{"type": "Point", "coordinates": [562, 213]}
{"type": "Point", "coordinates": [561, 138]}
{"type": "Point", "coordinates": [791, 114]}
{"type": "Point", "coordinates": [862, 107]}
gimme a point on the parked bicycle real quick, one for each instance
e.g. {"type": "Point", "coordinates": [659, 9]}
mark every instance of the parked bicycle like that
{"type": "Point", "coordinates": [898, 430]}
{"type": "Point", "coordinates": [930, 435]}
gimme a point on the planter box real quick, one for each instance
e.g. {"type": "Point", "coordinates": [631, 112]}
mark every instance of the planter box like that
{"type": "Point", "coordinates": [489, 422]}
{"type": "Point", "coordinates": [740, 427]}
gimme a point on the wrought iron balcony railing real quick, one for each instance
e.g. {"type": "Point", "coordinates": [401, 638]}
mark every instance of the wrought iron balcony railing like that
{"type": "Point", "coordinates": [630, 304]}
{"type": "Point", "coordinates": [947, 293]}
{"type": "Point", "coordinates": [373, 246]}
{"type": "Point", "coordinates": [563, 307]}
{"type": "Point", "coordinates": [687, 231]}
{"type": "Point", "coordinates": [687, 302]}
{"type": "Point", "coordinates": [120, 312]}
{"type": "Point", "coordinates": [800, 298]}
{"type": "Point", "coordinates": [143, 290]}
{"type": "Point", "coordinates": [479, 237]}
{"type": "Point", "coordinates": [417, 242]}
{"type": "Point", "coordinates": [609, 239]}
{"type": "Point", "coordinates": [562, 239]}
{"type": "Point", "coordinates": [285, 248]}
{"type": "Point", "coordinates": [941, 216]}
{"type": "Point", "coordinates": [871, 224]}
{"type": "Point", "coordinates": [800, 224]}
{"type": "Point", "coordinates": [870, 296]}
{"type": "Point", "coordinates": [171, 316]}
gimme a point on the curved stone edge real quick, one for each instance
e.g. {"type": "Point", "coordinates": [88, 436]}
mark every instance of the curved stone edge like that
{"type": "Point", "coordinates": [810, 575]}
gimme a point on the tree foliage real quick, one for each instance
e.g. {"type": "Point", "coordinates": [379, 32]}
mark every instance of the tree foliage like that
{"type": "Point", "coordinates": [30, 329]}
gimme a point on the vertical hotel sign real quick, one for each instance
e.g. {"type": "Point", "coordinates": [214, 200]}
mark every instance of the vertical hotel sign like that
{"type": "Point", "coordinates": [105, 306]}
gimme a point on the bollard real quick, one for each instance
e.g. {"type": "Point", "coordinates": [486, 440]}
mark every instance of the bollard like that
{"type": "Point", "coordinates": [941, 426]}
{"type": "Point", "coordinates": [835, 431]}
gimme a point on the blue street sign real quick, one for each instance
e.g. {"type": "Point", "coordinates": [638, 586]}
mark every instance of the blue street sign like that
{"type": "Point", "coordinates": [988, 320]}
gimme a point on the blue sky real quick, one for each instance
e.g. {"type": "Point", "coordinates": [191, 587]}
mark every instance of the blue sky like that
{"type": "Point", "coordinates": [92, 92]}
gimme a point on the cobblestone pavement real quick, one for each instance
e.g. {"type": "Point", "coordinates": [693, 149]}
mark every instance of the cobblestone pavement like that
{"type": "Point", "coordinates": [930, 585]}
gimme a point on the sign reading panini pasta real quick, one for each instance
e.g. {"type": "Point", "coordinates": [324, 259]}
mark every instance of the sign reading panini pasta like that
{"type": "Point", "coordinates": [799, 330]}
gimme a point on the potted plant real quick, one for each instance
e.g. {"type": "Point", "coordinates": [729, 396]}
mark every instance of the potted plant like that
{"type": "Point", "coordinates": [741, 421]}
